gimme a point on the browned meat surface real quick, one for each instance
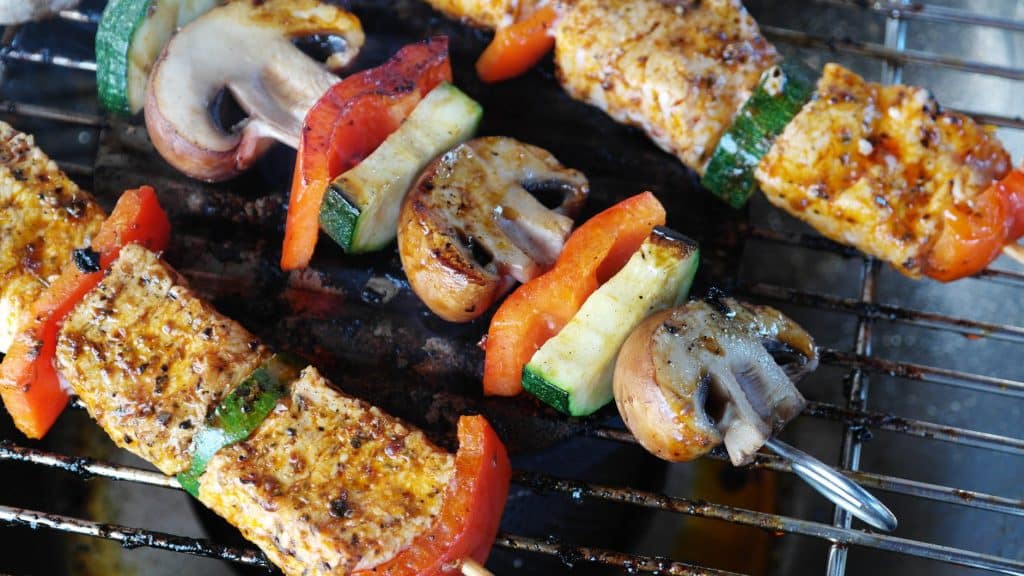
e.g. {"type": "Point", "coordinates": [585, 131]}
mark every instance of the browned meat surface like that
{"type": "Point", "coordinates": [328, 484]}
{"type": "Point", "coordinates": [43, 217]}
{"type": "Point", "coordinates": [680, 71]}
{"type": "Point", "coordinates": [150, 360]}
{"type": "Point", "coordinates": [485, 13]}
{"type": "Point", "coordinates": [875, 166]}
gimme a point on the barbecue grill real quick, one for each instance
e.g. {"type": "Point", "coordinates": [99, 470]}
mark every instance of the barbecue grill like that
{"type": "Point", "coordinates": [939, 441]}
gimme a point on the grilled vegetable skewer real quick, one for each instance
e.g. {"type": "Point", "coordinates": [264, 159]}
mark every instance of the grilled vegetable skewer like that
{"type": "Point", "coordinates": [322, 482]}
{"type": "Point", "coordinates": [884, 169]}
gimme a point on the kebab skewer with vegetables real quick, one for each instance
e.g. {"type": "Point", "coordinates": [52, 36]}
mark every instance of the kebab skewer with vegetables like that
{"type": "Point", "coordinates": [882, 168]}
{"type": "Point", "coordinates": [321, 482]}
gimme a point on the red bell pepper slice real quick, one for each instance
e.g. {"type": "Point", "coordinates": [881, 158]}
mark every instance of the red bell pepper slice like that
{"type": "Point", "coordinates": [29, 384]}
{"type": "Point", "coordinates": [347, 124]}
{"type": "Point", "coordinates": [517, 48]}
{"type": "Point", "coordinates": [972, 237]}
{"type": "Point", "coordinates": [539, 309]}
{"type": "Point", "coordinates": [470, 513]}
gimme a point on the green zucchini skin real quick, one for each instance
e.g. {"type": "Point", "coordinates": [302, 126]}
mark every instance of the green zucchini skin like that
{"type": "Point", "coordinates": [239, 414]}
{"type": "Point", "coordinates": [130, 37]}
{"type": "Point", "coordinates": [360, 209]}
{"type": "Point", "coordinates": [572, 372]}
{"type": "Point", "coordinates": [778, 98]}
{"type": "Point", "coordinates": [121, 19]}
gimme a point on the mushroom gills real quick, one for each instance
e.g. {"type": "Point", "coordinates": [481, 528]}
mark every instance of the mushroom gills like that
{"type": "Point", "coordinates": [245, 47]}
{"type": "Point", "coordinates": [472, 226]}
{"type": "Point", "coordinates": [714, 379]}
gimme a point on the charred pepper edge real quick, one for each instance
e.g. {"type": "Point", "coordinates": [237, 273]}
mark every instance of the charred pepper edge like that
{"type": "Point", "coordinates": [240, 413]}
{"type": "Point", "coordinates": [730, 172]}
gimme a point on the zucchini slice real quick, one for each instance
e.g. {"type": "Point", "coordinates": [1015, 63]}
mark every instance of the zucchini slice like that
{"type": "Point", "coordinates": [131, 35]}
{"type": "Point", "coordinates": [780, 95]}
{"type": "Point", "coordinates": [573, 371]}
{"type": "Point", "coordinates": [360, 208]}
{"type": "Point", "coordinates": [239, 414]}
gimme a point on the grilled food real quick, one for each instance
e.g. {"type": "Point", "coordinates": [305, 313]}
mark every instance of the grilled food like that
{"type": "Point", "coordinates": [680, 71]}
{"type": "Point", "coordinates": [470, 227]}
{"type": "Point", "coordinates": [348, 485]}
{"type": "Point", "coordinates": [693, 377]}
{"type": "Point", "coordinates": [43, 217]}
{"type": "Point", "coordinates": [149, 359]}
{"type": "Point", "coordinates": [878, 166]}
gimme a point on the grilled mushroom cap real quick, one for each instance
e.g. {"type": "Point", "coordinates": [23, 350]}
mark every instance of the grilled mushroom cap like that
{"type": "Point", "coordinates": [471, 226]}
{"type": "Point", "coordinates": [19, 11]}
{"type": "Point", "coordinates": [244, 47]}
{"type": "Point", "coordinates": [692, 377]}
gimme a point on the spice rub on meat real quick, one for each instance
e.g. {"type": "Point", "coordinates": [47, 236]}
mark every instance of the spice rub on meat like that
{"type": "Point", "coordinates": [43, 217]}
{"type": "Point", "coordinates": [680, 72]}
{"type": "Point", "coordinates": [877, 166]}
{"type": "Point", "coordinates": [150, 360]}
{"type": "Point", "coordinates": [328, 484]}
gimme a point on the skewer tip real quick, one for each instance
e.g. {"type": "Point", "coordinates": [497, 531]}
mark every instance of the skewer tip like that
{"type": "Point", "coordinates": [471, 567]}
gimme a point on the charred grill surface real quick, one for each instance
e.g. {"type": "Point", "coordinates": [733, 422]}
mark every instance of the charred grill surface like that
{"type": "Point", "coordinates": [356, 316]}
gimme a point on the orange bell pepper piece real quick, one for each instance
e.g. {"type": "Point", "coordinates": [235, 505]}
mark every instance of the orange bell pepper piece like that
{"type": "Point", "coordinates": [517, 48]}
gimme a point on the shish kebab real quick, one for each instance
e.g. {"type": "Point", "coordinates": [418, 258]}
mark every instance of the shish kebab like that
{"type": "Point", "coordinates": [322, 482]}
{"type": "Point", "coordinates": [882, 168]}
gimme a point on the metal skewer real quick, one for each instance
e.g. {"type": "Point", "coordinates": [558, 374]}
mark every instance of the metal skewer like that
{"type": "Point", "coordinates": [842, 491]}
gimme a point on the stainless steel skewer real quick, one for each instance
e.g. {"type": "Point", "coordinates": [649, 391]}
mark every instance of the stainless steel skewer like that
{"type": "Point", "coordinates": [842, 491]}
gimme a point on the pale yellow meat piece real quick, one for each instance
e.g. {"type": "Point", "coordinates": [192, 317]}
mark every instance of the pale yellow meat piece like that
{"type": "Point", "coordinates": [680, 72]}
{"type": "Point", "coordinates": [327, 483]}
{"type": "Point", "coordinates": [484, 13]}
{"type": "Point", "coordinates": [876, 166]}
{"type": "Point", "coordinates": [150, 360]}
{"type": "Point", "coordinates": [43, 217]}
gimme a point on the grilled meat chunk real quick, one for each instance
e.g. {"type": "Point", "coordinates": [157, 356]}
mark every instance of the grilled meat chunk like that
{"type": "Point", "coordinates": [43, 217]}
{"type": "Point", "coordinates": [328, 484]}
{"type": "Point", "coordinates": [485, 13]}
{"type": "Point", "coordinates": [876, 166]}
{"type": "Point", "coordinates": [150, 360]}
{"type": "Point", "coordinates": [679, 71]}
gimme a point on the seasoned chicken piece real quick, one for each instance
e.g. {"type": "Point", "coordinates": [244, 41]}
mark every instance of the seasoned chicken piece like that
{"type": "Point", "coordinates": [876, 166]}
{"type": "Point", "coordinates": [484, 13]}
{"type": "Point", "coordinates": [150, 360]}
{"type": "Point", "coordinates": [680, 71]}
{"type": "Point", "coordinates": [328, 484]}
{"type": "Point", "coordinates": [43, 217]}
{"type": "Point", "coordinates": [18, 11]}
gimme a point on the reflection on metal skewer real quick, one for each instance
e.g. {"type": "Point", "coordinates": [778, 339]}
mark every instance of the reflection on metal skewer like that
{"type": "Point", "coordinates": [836, 487]}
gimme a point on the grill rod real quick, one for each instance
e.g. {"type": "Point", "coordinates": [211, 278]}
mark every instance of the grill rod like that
{"type": "Point", "coordinates": [130, 537]}
{"type": "Point", "coordinates": [931, 13]}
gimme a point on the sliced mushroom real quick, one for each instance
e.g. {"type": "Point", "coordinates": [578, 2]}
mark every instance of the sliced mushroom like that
{"type": "Point", "coordinates": [18, 11]}
{"type": "Point", "coordinates": [244, 47]}
{"type": "Point", "coordinates": [471, 226]}
{"type": "Point", "coordinates": [690, 378]}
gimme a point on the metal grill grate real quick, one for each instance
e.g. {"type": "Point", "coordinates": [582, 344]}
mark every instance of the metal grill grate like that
{"type": "Point", "coordinates": [860, 364]}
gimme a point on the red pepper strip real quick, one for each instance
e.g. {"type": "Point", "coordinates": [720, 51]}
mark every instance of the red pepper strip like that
{"type": "Point", "coordinates": [346, 125]}
{"type": "Point", "coordinates": [539, 309]}
{"type": "Point", "coordinates": [517, 48]}
{"type": "Point", "coordinates": [29, 385]}
{"type": "Point", "coordinates": [470, 513]}
{"type": "Point", "coordinates": [972, 237]}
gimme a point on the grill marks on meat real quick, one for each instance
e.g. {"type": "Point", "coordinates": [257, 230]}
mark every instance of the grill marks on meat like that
{"type": "Point", "coordinates": [328, 484]}
{"type": "Point", "coordinates": [875, 166]}
{"type": "Point", "coordinates": [679, 72]}
{"type": "Point", "coordinates": [43, 217]}
{"type": "Point", "coordinates": [150, 360]}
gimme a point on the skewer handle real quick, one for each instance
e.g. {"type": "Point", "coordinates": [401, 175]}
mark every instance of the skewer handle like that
{"type": "Point", "coordinates": [471, 567]}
